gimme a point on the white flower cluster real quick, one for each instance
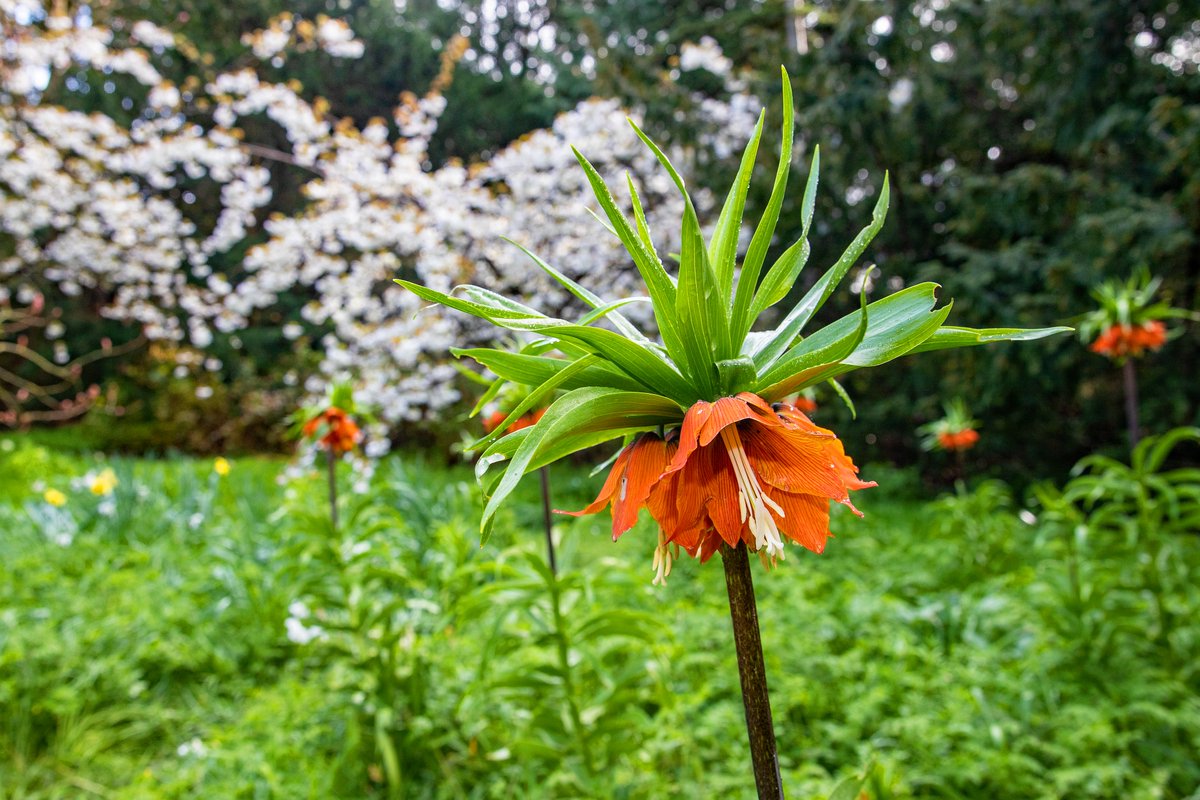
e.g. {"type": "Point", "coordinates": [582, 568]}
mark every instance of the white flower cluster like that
{"type": "Point", "coordinates": [298, 631]}
{"type": "Point", "coordinates": [705, 54]}
{"type": "Point", "coordinates": [89, 204]}
{"type": "Point", "coordinates": [288, 32]}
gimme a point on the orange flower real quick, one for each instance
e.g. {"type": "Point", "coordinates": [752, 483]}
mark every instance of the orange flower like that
{"type": "Point", "coordinates": [342, 433]}
{"type": "Point", "coordinates": [958, 440]}
{"type": "Point", "coordinates": [1148, 336]}
{"type": "Point", "coordinates": [494, 420]}
{"type": "Point", "coordinates": [738, 470]}
{"type": "Point", "coordinates": [1119, 341]}
{"type": "Point", "coordinates": [805, 404]}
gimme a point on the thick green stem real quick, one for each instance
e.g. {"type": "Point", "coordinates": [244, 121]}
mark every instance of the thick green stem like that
{"type": "Point", "coordinates": [1131, 403]}
{"type": "Point", "coordinates": [564, 664]}
{"type": "Point", "coordinates": [744, 612]}
{"type": "Point", "coordinates": [331, 464]}
{"type": "Point", "coordinates": [548, 519]}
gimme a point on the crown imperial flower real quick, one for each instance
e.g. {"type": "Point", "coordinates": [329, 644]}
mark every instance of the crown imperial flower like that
{"type": "Point", "coordinates": [954, 431]}
{"type": "Point", "coordinates": [1128, 321]}
{"type": "Point", "coordinates": [737, 470]}
{"type": "Point", "coordinates": [337, 431]}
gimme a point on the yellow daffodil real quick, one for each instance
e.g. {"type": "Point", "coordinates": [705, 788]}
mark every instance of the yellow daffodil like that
{"type": "Point", "coordinates": [221, 466]}
{"type": "Point", "coordinates": [104, 482]}
{"type": "Point", "coordinates": [55, 498]}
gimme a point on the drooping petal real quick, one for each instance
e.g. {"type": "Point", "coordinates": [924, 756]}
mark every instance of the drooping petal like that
{"type": "Point", "coordinates": [662, 499]}
{"type": "Point", "coordinates": [795, 462]}
{"type": "Point", "coordinates": [608, 489]}
{"type": "Point", "coordinates": [689, 434]}
{"type": "Point", "coordinates": [647, 461]}
{"type": "Point", "coordinates": [725, 412]}
{"type": "Point", "coordinates": [722, 505]}
{"type": "Point", "coordinates": [805, 520]}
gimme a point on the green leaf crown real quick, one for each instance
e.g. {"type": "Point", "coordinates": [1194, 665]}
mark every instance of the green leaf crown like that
{"type": "Point", "coordinates": [618, 382]}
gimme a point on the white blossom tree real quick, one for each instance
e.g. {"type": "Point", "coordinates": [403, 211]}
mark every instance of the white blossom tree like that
{"type": "Point", "coordinates": [90, 204]}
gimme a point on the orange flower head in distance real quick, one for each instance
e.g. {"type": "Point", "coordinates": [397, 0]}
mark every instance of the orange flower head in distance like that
{"type": "Point", "coordinates": [805, 404]}
{"type": "Point", "coordinates": [341, 432]}
{"type": "Point", "coordinates": [738, 470]}
{"type": "Point", "coordinates": [1151, 335]}
{"type": "Point", "coordinates": [493, 420]}
{"type": "Point", "coordinates": [496, 418]}
{"type": "Point", "coordinates": [1120, 341]}
{"type": "Point", "coordinates": [958, 440]}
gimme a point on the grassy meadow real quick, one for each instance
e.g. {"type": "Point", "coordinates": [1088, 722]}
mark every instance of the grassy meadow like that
{"type": "Point", "coordinates": [192, 634]}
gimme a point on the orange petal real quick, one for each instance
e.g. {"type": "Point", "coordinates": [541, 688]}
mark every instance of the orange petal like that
{"type": "Point", "coordinates": [758, 404]}
{"type": "Point", "coordinates": [794, 463]}
{"type": "Point", "coordinates": [647, 461]}
{"type": "Point", "coordinates": [661, 503]}
{"type": "Point", "coordinates": [722, 503]}
{"type": "Point", "coordinates": [609, 488]}
{"type": "Point", "coordinates": [805, 520]}
{"type": "Point", "coordinates": [725, 412]}
{"type": "Point", "coordinates": [796, 419]}
{"type": "Point", "coordinates": [689, 433]}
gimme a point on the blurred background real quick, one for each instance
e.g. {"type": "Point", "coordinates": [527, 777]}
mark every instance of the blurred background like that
{"type": "Point", "coordinates": [1034, 149]}
{"type": "Point", "coordinates": [202, 206]}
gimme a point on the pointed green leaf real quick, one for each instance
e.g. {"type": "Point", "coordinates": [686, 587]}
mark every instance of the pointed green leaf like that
{"type": "Point", "coordinates": [639, 361]}
{"type": "Point", "coordinates": [756, 254]}
{"type": "Point", "coordinates": [701, 310]}
{"type": "Point", "coordinates": [722, 249]}
{"type": "Point", "coordinates": [695, 308]}
{"type": "Point", "coordinates": [658, 282]}
{"type": "Point", "coordinates": [897, 324]}
{"type": "Point", "coordinates": [536, 396]}
{"type": "Point", "coordinates": [492, 392]}
{"type": "Point", "coordinates": [783, 273]}
{"type": "Point", "coordinates": [780, 278]}
{"type": "Point", "coordinates": [590, 298]}
{"type": "Point", "coordinates": [841, 392]}
{"type": "Point", "coordinates": [818, 356]}
{"type": "Point", "coordinates": [576, 413]}
{"type": "Point", "coordinates": [771, 347]}
{"type": "Point", "coordinates": [949, 336]}
{"type": "Point", "coordinates": [607, 309]}
{"type": "Point", "coordinates": [532, 370]}
{"type": "Point", "coordinates": [498, 302]}
{"type": "Point", "coordinates": [639, 216]}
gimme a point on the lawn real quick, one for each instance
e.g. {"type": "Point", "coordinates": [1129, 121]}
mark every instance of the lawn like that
{"type": "Point", "coordinates": [199, 635]}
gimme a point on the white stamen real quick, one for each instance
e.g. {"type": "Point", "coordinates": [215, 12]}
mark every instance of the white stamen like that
{"type": "Point", "coordinates": [752, 500]}
{"type": "Point", "coordinates": [661, 563]}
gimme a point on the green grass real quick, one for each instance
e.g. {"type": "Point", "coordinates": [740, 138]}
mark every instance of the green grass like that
{"type": "Point", "coordinates": [959, 651]}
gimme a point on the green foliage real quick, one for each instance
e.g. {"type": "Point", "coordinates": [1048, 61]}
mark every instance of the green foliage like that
{"type": "Point", "coordinates": [962, 650]}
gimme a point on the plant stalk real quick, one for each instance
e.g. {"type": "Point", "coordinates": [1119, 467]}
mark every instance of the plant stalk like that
{"type": "Point", "coordinates": [1131, 403]}
{"type": "Point", "coordinates": [764, 755]}
{"type": "Point", "coordinates": [331, 463]}
{"type": "Point", "coordinates": [548, 519]}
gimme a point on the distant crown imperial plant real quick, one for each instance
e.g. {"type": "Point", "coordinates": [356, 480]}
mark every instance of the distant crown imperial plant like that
{"type": "Point", "coordinates": [710, 448]}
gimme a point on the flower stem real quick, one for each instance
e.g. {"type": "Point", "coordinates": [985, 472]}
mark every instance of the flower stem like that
{"type": "Point", "coordinates": [1131, 402]}
{"type": "Point", "coordinates": [331, 463]}
{"type": "Point", "coordinates": [547, 519]}
{"type": "Point", "coordinates": [744, 612]}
